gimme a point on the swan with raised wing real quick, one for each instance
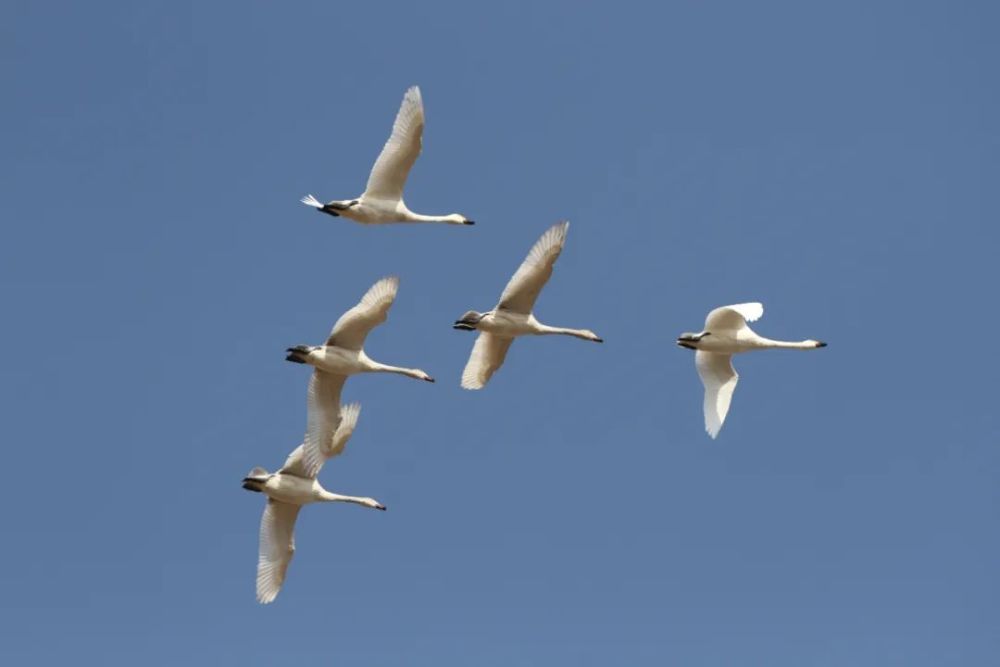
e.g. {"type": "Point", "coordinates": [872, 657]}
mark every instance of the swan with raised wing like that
{"type": "Point", "coordinates": [294, 485]}
{"type": "Point", "coordinates": [342, 354]}
{"type": "Point", "coordinates": [382, 201]}
{"type": "Point", "coordinates": [726, 333]}
{"type": "Point", "coordinates": [513, 316]}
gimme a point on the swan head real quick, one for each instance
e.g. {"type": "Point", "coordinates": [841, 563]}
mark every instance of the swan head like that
{"type": "Point", "coordinates": [690, 340]}
{"type": "Point", "coordinates": [468, 321]}
{"type": "Point", "coordinates": [458, 219]}
{"type": "Point", "coordinates": [374, 504]}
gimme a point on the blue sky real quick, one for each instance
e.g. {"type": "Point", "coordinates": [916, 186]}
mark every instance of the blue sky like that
{"type": "Point", "coordinates": [836, 161]}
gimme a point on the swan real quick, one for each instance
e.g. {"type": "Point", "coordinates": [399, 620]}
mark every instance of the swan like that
{"type": "Point", "coordinates": [382, 200]}
{"type": "Point", "coordinates": [513, 316]}
{"type": "Point", "coordinates": [329, 428]}
{"type": "Point", "coordinates": [342, 354]}
{"type": "Point", "coordinates": [726, 333]}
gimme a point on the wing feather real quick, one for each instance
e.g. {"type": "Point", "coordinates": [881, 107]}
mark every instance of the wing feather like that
{"type": "Point", "coordinates": [733, 317]}
{"type": "Point", "coordinates": [277, 546]}
{"type": "Point", "coordinates": [353, 326]}
{"type": "Point", "coordinates": [720, 378]}
{"type": "Point", "coordinates": [487, 356]}
{"type": "Point", "coordinates": [388, 175]}
{"type": "Point", "coordinates": [522, 291]}
{"type": "Point", "coordinates": [323, 417]}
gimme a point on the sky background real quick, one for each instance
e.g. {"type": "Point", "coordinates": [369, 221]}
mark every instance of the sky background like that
{"type": "Point", "coordinates": [837, 161]}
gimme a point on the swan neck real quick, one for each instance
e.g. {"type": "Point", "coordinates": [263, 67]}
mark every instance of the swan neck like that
{"type": "Point", "coordinates": [376, 367]}
{"type": "Point", "coordinates": [546, 330]}
{"type": "Point", "coordinates": [328, 497]}
{"type": "Point", "coordinates": [447, 219]}
{"type": "Point", "coordinates": [785, 344]}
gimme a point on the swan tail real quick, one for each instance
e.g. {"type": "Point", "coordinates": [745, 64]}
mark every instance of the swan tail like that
{"type": "Point", "coordinates": [255, 480]}
{"type": "Point", "coordinates": [309, 200]}
{"type": "Point", "coordinates": [298, 354]}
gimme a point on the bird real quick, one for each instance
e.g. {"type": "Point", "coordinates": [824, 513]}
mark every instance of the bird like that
{"type": "Point", "coordinates": [513, 316]}
{"type": "Point", "coordinates": [330, 425]}
{"type": "Point", "coordinates": [726, 333]}
{"type": "Point", "coordinates": [382, 200]}
{"type": "Point", "coordinates": [342, 354]}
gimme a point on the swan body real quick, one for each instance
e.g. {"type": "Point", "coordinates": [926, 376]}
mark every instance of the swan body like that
{"type": "Point", "coordinates": [329, 428]}
{"type": "Point", "coordinates": [513, 316]}
{"type": "Point", "coordinates": [342, 354]}
{"type": "Point", "coordinates": [727, 333]}
{"type": "Point", "coordinates": [382, 201]}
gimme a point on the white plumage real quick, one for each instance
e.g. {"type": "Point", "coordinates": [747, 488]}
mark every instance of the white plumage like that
{"type": "Point", "coordinates": [513, 316]}
{"type": "Point", "coordinates": [726, 333]}
{"type": "Point", "coordinates": [295, 485]}
{"type": "Point", "coordinates": [382, 201]}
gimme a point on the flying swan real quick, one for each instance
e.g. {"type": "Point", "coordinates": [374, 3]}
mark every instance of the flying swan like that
{"type": "Point", "coordinates": [726, 333]}
{"type": "Point", "coordinates": [342, 354]}
{"type": "Point", "coordinates": [512, 317]}
{"type": "Point", "coordinates": [382, 200]}
{"type": "Point", "coordinates": [328, 430]}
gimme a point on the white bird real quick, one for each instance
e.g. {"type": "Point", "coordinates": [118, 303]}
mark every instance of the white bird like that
{"type": "Point", "coordinates": [382, 200]}
{"type": "Point", "coordinates": [513, 316]}
{"type": "Point", "coordinates": [726, 333]}
{"type": "Point", "coordinates": [342, 354]}
{"type": "Point", "coordinates": [329, 428]}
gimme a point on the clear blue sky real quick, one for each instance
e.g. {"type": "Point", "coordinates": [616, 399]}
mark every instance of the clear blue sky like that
{"type": "Point", "coordinates": [837, 161]}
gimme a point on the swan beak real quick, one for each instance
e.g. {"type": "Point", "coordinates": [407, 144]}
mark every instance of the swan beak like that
{"type": "Point", "coordinates": [465, 326]}
{"type": "Point", "coordinates": [429, 379]}
{"type": "Point", "coordinates": [380, 506]}
{"type": "Point", "coordinates": [598, 340]}
{"type": "Point", "coordinates": [469, 222]}
{"type": "Point", "coordinates": [820, 343]}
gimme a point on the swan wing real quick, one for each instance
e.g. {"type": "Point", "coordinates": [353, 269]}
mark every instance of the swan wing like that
{"type": "Point", "coordinates": [487, 356]}
{"type": "Point", "coordinates": [388, 175]}
{"type": "Point", "coordinates": [353, 326]}
{"type": "Point", "coordinates": [277, 546]}
{"type": "Point", "coordinates": [733, 317]}
{"type": "Point", "coordinates": [522, 291]}
{"type": "Point", "coordinates": [323, 419]}
{"type": "Point", "coordinates": [348, 420]}
{"type": "Point", "coordinates": [720, 378]}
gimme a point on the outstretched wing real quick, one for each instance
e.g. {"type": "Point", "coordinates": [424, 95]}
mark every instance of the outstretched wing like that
{"type": "Point", "coordinates": [733, 317]}
{"type": "Point", "coordinates": [388, 175]}
{"type": "Point", "coordinates": [522, 291]}
{"type": "Point", "coordinates": [720, 378]}
{"type": "Point", "coordinates": [353, 326]}
{"type": "Point", "coordinates": [487, 356]}
{"type": "Point", "coordinates": [277, 546]}
{"type": "Point", "coordinates": [348, 420]}
{"type": "Point", "coordinates": [323, 417]}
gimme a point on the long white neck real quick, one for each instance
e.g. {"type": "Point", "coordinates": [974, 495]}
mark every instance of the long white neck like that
{"type": "Point", "coordinates": [328, 497]}
{"type": "Point", "coordinates": [450, 219]}
{"type": "Point", "coordinates": [767, 343]}
{"type": "Point", "coordinates": [376, 367]}
{"type": "Point", "coordinates": [585, 334]}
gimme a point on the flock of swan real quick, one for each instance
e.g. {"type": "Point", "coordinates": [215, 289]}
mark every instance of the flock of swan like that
{"type": "Point", "coordinates": [329, 424]}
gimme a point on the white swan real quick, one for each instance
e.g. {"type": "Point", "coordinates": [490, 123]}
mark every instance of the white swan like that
{"type": "Point", "coordinates": [512, 317]}
{"type": "Point", "coordinates": [726, 333]}
{"type": "Point", "coordinates": [329, 428]}
{"type": "Point", "coordinates": [342, 354]}
{"type": "Point", "coordinates": [382, 200]}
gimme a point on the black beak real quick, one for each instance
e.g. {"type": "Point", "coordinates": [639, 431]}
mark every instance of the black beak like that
{"type": "Point", "coordinates": [469, 222]}
{"type": "Point", "coordinates": [462, 324]}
